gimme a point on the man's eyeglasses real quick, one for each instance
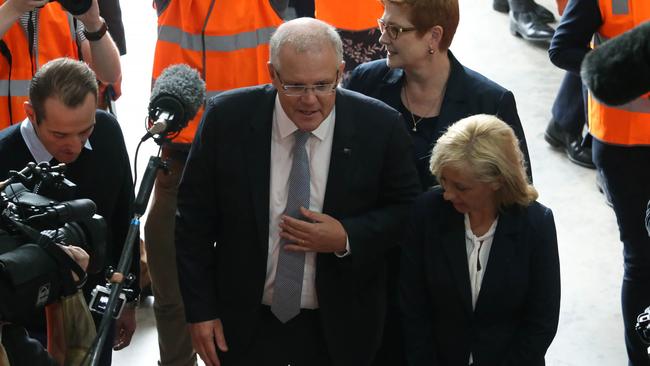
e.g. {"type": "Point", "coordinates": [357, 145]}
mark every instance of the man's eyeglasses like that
{"type": "Point", "coordinates": [300, 90]}
{"type": "Point", "coordinates": [392, 30]}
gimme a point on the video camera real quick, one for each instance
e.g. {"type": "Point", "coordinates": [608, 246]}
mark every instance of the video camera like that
{"type": "Point", "coordinates": [36, 213]}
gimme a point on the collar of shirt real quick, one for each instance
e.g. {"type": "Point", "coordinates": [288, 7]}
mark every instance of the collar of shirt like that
{"type": "Point", "coordinates": [34, 144]}
{"type": "Point", "coordinates": [470, 234]}
{"type": "Point", "coordinates": [286, 127]}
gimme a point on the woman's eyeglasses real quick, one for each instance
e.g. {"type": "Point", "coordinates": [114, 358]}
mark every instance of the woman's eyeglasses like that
{"type": "Point", "coordinates": [392, 30]}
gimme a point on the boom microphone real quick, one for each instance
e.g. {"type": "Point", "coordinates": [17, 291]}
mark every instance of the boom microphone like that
{"type": "Point", "coordinates": [177, 95]}
{"type": "Point", "coordinates": [618, 71]}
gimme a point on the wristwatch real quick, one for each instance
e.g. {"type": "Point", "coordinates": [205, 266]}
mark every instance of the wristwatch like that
{"type": "Point", "coordinates": [96, 36]}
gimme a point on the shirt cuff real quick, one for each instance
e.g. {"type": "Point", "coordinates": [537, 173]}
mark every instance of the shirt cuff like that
{"type": "Point", "coordinates": [347, 249]}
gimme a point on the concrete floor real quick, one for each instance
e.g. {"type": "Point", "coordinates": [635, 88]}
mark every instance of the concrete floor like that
{"type": "Point", "coordinates": [590, 330]}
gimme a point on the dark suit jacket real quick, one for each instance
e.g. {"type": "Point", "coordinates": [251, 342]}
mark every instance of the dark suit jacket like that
{"type": "Point", "coordinates": [224, 198]}
{"type": "Point", "coordinates": [517, 311]}
{"type": "Point", "coordinates": [468, 93]}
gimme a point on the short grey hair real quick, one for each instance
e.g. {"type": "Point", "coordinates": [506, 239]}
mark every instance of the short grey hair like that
{"type": "Point", "coordinates": [304, 35]}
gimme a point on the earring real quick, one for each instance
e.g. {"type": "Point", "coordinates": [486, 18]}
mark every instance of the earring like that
{"type": "Point", "coordinates": [431, 51]}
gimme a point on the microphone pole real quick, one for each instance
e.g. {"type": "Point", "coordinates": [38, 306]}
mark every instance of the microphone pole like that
{"type": "Point", "coordinates": [118, 278]}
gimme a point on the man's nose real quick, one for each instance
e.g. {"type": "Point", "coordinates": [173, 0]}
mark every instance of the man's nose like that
{"type": "Point", "coordinates": [309, 96]}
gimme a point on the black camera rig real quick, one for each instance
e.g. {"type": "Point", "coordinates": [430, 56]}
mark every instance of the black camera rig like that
{"type": "Point", "coordinates": [37, 213]}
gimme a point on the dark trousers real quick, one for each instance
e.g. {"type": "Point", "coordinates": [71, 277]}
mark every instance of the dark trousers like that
{"type": "Point", "coordinates": [391, 349]}
{"type": "Point", "coordinates": [299, 342]}
{"type": "Point", "coordinates": [569, 106]}
{"type": "Point", "coordinates": [627, 174]}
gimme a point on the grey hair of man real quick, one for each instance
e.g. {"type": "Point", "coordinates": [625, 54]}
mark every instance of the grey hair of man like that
{"type": "Point", "coordinates": [304, 35]}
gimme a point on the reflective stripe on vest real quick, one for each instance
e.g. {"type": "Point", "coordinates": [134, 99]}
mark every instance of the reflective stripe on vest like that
{"type": "Point", "coordinates": [628, 124]}
{"type": "Point", "coordinates": [18, 88]}
{"type": "Point", "coordinates": [215, 43]}
{"type": "Point", "coordinates": [620, 7]}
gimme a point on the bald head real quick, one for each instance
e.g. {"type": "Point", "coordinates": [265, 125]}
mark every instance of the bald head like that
{"type": "Point", "coordinates": [304, 35]}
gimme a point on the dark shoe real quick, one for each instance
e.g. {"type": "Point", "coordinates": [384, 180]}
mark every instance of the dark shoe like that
{"type": "Point", "coordinates": [501, 6]}
{"type": "Point", "coordinates": [601, 183]}
{"type": "Point", "coordinates": [542, 13]}
{"type": "Point", "coordinates": [528, 26]}
{"type": "Point", "coordinates": [577, 153]}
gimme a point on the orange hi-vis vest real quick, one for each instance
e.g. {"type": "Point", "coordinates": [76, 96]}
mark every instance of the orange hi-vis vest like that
{"type": "Point", "coordinates": [628, 124]}
{"type": "Point", "coordinates": [20, 57]}
{"type": "Point", "coordinates": [227, 41]}
{"type": "Point", "coordinates": [349, 15]}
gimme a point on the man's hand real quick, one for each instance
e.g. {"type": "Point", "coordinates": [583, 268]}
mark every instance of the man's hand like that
{"type": "Point", "coordinates": [324, 234]}
{"type": "Point", "coordinates": [78, 255]}
{"type": "Point", "coordinates": [204, 336]}
{"type": "Point", "coordinates": [124, 328]}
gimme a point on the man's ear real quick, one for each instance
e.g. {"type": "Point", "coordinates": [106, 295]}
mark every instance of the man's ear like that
{"type": "Point", "coordinates": [30, 112]}
{"type": "Point", "coordinates": [271, 70]}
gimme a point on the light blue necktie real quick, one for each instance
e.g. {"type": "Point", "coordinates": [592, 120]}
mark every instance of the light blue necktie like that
{"type": "Point", "coordinates": [291, 265]}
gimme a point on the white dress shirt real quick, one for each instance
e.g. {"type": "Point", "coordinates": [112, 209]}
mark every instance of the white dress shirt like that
{"type": "Point", "coordinates": [34, 144]}
{"type": "Point", "coordinates": [478, 253]}
{"type": "Point", "coordinates": [319, 149]}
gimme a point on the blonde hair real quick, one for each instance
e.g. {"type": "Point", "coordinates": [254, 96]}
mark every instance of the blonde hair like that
{"type": "Point", "coordinates": [488, 148]}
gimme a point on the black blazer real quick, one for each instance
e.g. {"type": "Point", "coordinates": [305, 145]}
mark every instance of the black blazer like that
{"type": "Point", "coordinates": [224, 198]}
{"type": "Point", "coordinates": [517, 311]}
{"type": "Point", "coordinates": [468, 93]}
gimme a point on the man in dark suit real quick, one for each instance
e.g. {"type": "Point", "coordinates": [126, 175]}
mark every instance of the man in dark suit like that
{"type": "Point", "coordinates": [348, 157]}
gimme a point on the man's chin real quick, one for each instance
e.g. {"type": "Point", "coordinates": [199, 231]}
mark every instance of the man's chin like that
{"type": "Point", "coordinates": [67, 158]}
{"type": "Point", "coordinates": [308, 122]}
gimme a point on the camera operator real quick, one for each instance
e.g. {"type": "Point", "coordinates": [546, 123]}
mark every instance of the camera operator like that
{"type": "Point", "coordinates": [16, 347]}
{"type": "Point", "coordinates": [63, 125]}
{"type": "Point", "coordinates": [36, 31]}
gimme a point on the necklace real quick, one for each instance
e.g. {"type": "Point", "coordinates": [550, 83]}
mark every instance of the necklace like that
{"type": "Point", "coordinates": [408, 106]}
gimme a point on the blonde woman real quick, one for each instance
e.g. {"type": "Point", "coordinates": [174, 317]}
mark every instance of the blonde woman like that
{"type": "Point", "coordinates": [480, 280]}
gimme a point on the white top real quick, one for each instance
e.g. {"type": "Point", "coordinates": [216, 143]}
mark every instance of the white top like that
{"type": "Point", "coordinates": [478, 253]}
{"type": "Point", "coordinates": [319, 149]}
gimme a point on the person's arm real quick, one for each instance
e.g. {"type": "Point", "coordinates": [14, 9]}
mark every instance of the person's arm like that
{"type": "Point", "coordinates": [415, 302]}
{"type": "Point", "coordinates": [379, 229]}
{"type": "Point", "coordinates": [195, 235]}
{"type": "Point", "coordinates": [542, 308]}
{"type": "Point", "coordinates": [102, 55]}
{"type": "Point", "coordinates": [570, 43]}
{"type": "Point", "coordinates": [122, 215]}
{"type": "Point", "coordinates": [11, 11]}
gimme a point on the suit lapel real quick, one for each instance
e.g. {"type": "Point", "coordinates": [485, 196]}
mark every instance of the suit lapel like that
{"type": "Point", "coordinates": [453, 105]}
{"type": "Point", "coordinates": [343, 151]}
{"type": "Point", "coordinates": [501, 255]}
{"type": "Point", "coordinates": [453, 242]}
{"type": "Point", "coordinates": [257, 150]}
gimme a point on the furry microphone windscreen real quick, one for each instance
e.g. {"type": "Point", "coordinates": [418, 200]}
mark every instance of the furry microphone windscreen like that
{"type": "Point", "coordinates": [184, 83]}
{"type": "Point", "coordinates": [618, 71]}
